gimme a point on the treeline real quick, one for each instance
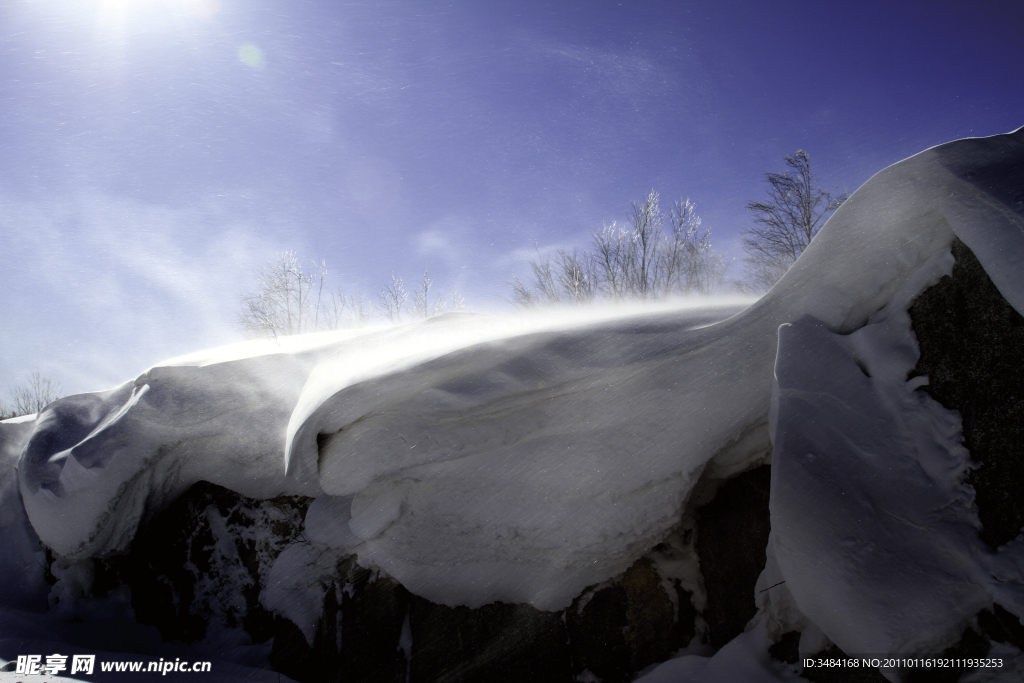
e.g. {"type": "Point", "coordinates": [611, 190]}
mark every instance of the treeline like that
{"type": "Point", "coordinates": [659, 255]}
{"type": "Point", "coordinates": [662, 255]}
{"type": "Point", "coordinates": [289, 300]}
{"type": "Point", "coordinates": [29, 397]}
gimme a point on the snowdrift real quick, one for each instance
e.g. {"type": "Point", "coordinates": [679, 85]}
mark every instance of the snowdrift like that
{"type": "Point", "coordinates": [522, 459]}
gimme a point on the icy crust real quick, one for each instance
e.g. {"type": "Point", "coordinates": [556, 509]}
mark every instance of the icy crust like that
{"type": "Point", "coordinates": [517, 459]}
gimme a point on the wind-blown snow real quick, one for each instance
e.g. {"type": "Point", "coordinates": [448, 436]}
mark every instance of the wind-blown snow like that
{"type": "Point", "coordinates": [512, 459]}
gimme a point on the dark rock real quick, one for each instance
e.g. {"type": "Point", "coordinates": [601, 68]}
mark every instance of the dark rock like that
{"type": "Point", "coordinates": [374, 610]}
{"type": "Point", "coordinates": [1002, 626]}
{"type": "Point", "coordinates": [200, 566]}
{"type": "Point", "coordinates": [652, 632]}
{"type": "Point", "coordinates": [293, 656]}
{"type": "Point", "coordinates": [623, 628]}
{"type": "Point", "coordinates": [787, 649]}
{"type": "Point", "coordinates": [596, 623]}
{"type": "Point", "coordinates": [357, 637]}
{"type": "Point", "coordinates": [732, 534]}
{"type": "Point", "coordinates": [195, 564]}
{"type": "Point", "coordinates": [972, 645]}
{"type": "Point", "coordinates": [970, 340]}
{"type": "Point", "coordinates": [498, 642]}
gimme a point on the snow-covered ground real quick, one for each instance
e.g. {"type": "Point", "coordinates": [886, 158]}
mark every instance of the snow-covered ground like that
{"type": "Point", "coordinates": [523, 458]}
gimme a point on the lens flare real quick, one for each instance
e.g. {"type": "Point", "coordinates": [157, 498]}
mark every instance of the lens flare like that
{"type": "Point", "coordinates": [250, 55]}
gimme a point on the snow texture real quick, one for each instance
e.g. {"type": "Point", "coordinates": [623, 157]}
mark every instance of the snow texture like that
{"type": "Point", "coordinates": [524, 458]}
{"type": "Point", "coordinates": [297, 585]}
{"type": "Point", "coordinates": [868, 506]}
{"type": "Point", "coordinates": [744, 658]}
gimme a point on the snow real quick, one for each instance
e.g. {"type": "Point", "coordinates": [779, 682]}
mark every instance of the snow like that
{"type": "Point", "coordinates": [522, 458]}
{"type": "Point", "coordinates": [744, 658]}
{"type": "Point", "coordinates": [298, 584]}
{"type": "Point", "coordinates": [868, 508]}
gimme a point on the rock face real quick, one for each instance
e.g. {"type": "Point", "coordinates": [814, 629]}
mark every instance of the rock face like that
{"type": "Point", "coordinates": [198, 568]}
{"type": "Point", "coordinates": [628, 625]}
{"type": "Point", "coordinates": [971, 340]}
{"type": "Point", "coordinates": [359, 634]}
{"type": "Point", "coordinates": [200, 564]}
{"type": "Point", "coordinates": [732, 533]}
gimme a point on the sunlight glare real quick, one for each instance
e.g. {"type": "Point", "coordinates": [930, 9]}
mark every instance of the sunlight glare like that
{"type": "Point", "coordinates": [117, 11]}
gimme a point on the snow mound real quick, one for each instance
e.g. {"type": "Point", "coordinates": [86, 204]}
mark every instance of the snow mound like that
{"type": "Point", "coordinates": [519, 458]}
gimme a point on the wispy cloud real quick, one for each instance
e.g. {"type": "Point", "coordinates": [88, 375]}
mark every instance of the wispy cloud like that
{"type": "Point", "coordinates": [103, 286]}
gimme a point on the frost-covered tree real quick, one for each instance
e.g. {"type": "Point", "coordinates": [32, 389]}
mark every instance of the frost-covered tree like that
{"type": "Point", "coordinates": [645, 261]}
{"type": "Point", "coordinates": [688, 265]}
{"type": "Point", "coordinates": [423, 306]}
{"type": "Point", "coordinates": [786, 222]}
{"type": "Point", "coordinates": [392, 298]}
{"type": "Point", "coordinates": [30, 397]}
{"type": "Point", "coordinates": [566, 277]}
{"type": "Point", "coordinates": [288, 300]}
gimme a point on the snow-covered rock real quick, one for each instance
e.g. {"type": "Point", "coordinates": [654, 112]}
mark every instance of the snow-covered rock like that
{"type": "Point", "coordinates": [496, 460]}
{"type": "Point", "coordinates": [521, 459]}
{"type": "Point", "coordinates": [870, 513]}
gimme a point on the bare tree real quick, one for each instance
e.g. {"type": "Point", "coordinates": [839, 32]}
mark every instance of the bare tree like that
{"type": "Point", "coordinates": [30, 397]}
{"type": "Point", "coordinates": [424, 307]}
{"type": "Point", "coordinates": [643, 262]}
{"type": "Point", "coordinates": [571, 278]}
{"type": "Point", "coordinates": [686, 264]}
{"type": "Point", "coordinates": [786, 222]}
{"type": "Point", "coordinates": [522, 294]}
{"type": "Point", "coordinates": [287, 301]}
{"type": "Point", "coordinates": [543, 277]}
{"type": "Point", "coordinates": [290, 301]}
{"type": "Point", "coordinates": [575, 276]}
{"type": "Point", "coordinates": [612, 249]}
{"type": "Point", "coordinates": [391, 300]}
{"type": "Point", "coordinates": [647, 221]}
{"type": "Point", "coordinates": [422, 304]}
{"type": "Point", "coordinates": [456, 302]}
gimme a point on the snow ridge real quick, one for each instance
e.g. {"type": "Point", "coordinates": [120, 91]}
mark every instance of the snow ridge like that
{"type": "Point", "coordinates": [516, 459]}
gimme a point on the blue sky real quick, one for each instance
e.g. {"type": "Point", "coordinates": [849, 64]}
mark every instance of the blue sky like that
{"type": "Point", "coordinates": [154, 152]}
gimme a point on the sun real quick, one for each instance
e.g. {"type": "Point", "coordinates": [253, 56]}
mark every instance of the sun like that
{"type": "Point", "coordinates": [119, 10]}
